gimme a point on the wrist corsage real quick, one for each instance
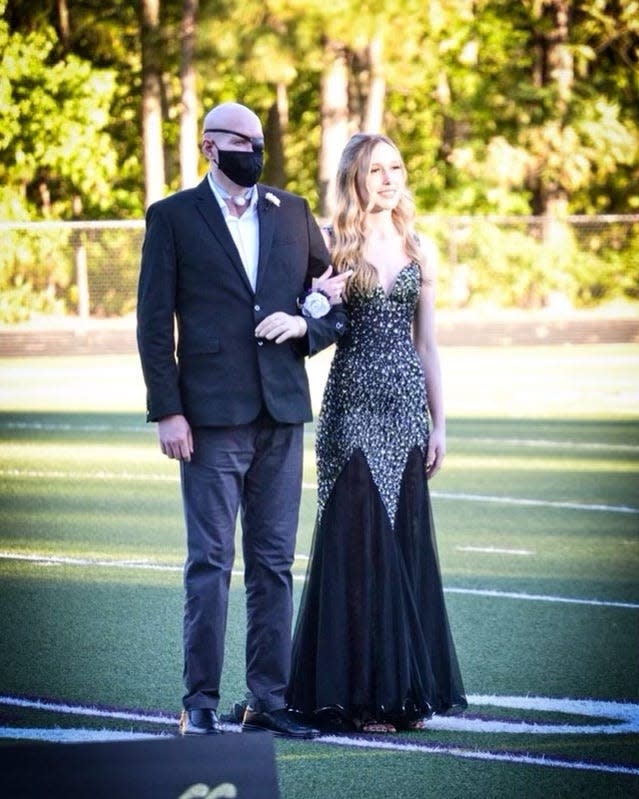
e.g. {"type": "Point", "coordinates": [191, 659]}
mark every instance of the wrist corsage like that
{"type": "Point", "coordinates": [315, 304]}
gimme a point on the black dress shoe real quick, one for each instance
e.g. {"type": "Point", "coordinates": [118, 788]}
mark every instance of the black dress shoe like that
{"type": "Point", "coordinates": [236, 714]}
{"type": "Point", "coordinates": [280, 722]}
{"type": "Point", "coordinates": [200, 721]}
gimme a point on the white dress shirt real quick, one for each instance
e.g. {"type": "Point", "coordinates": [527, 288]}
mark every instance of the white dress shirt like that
{"type": "Point", "coordinates": [244, 229]}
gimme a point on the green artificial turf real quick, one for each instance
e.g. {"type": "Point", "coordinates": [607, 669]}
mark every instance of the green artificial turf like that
{"type": "Point", "coordinates": [537, 518]}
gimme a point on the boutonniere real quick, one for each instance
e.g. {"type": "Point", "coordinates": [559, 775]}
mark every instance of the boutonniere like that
{"type": "Point", "coordinates": [272, 199]}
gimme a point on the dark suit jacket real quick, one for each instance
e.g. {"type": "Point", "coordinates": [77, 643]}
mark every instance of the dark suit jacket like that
{"type": "Point", "coordinates": [192, 282]}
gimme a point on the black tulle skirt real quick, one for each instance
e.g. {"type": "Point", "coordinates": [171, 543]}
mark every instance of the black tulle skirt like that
{"type": "Point", "coordinates": [372, 640]}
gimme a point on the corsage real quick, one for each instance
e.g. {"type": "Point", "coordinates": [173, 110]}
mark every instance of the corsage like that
{"type": "Point", "coordinates": [315, 304]}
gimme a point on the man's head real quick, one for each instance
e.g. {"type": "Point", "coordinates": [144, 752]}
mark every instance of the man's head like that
{"type": "Point", "coordinates": [233, 143]}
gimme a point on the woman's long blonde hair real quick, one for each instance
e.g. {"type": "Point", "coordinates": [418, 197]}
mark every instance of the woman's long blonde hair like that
{"type": "Point", "coordinates": [348, 228]}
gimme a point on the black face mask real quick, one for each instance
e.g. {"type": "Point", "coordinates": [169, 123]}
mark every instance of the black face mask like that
{"type": "Point", "coordinates": [243, 168]}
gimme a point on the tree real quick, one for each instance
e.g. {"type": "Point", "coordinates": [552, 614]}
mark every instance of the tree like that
{"type": "Point", "coordinates": [56, 158]}
{"type": "Point", "coordinates": [335, 123]}
{"type": "Point", "coordinates": [497, 106]}
{"type": "Point", "coordinates": [151, 101]}
{"type": "Point", "coordinates": [189, 108]}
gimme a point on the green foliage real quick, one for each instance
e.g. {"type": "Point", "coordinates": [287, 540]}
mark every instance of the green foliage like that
{"type": "Point", "coordinates": [35, 272]}
{"type": "Point", "coordinates": [462, 96]}
{"type": "Point", "coordinates": [39, 267]}
{"type": "Point", "coordinates": [480, 117]}
{"type": "Point", "coordinates": [19, 301]}
{"type": "Point", "coordinates": [532, 263]}
{"type": "Point", "coordinates": [606, 263]}
{"type": "Point", "coordinates": [55, 151]}
{"type": "Point", "coordinates": [113, 257]}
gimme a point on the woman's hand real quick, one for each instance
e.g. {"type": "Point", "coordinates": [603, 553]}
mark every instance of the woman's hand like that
{"type": "Point", "coordinates": [334, 286]}
{"type": "Point", "coordinates": [436, 451]}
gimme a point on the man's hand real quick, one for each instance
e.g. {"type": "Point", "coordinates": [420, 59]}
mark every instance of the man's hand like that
{"type": "Point", "coordinates": [176, 440]}
{"type": "Point", "coordinates": [332, 286]}
{"type": "Point", "coordinates": [280, 326]}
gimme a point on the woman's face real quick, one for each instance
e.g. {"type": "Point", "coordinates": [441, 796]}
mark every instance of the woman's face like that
{"type": "Point", "coordinates": [382, 186]}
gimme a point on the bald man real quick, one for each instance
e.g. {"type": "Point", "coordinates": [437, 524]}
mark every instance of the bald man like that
{"type": "Point", "coordinates": [234, 292]}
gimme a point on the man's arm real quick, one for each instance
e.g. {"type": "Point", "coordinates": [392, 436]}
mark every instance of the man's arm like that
{"type": "Point", "coordinates": [314, 334]}
{"type": "Point", "coordinates": [324, 331]}
{"type": "Point", "coordinates": [155, 317]}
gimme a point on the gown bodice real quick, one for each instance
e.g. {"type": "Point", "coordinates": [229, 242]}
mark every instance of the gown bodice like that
{"type": "Point", "coordinates": [375, 396]}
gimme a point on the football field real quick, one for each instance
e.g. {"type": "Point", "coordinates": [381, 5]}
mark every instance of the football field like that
{"type": "Point", "coordinates": [537, 518]}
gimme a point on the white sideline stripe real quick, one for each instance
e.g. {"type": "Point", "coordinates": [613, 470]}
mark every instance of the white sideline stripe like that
{"type": "Point", "coordinates": [72, 735]}
{"type": "Point", "coordinates": [496, 550]}
{"type": "Point", "coordinates": [168, 478]}
{"type": "Point", "coordinates": [628, 712]}
{"type": "Point", "coordinates": [87, 710]}
{"type": "Point", "coordinates": [67, 560]}
{"type": "Point", "coordinates": [618, 711]}
{"type": "Point", "coordinates": [625, 712]}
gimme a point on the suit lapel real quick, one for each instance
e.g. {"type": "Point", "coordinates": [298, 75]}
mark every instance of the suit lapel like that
{"type": "Point", "coordinates": [267, 214]}
{"type": "Point", "coordinates": [208, 207]}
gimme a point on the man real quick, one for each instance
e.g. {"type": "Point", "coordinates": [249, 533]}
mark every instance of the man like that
{"type": "Point", "coordinates": [227, 264]}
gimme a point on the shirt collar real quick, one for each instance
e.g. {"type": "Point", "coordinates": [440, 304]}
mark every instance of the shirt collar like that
{"type": "Point", "coordinates": [221, 196]}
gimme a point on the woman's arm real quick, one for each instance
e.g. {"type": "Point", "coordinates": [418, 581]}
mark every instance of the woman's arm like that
{"type": "Point", "coordinates": [426, 346]}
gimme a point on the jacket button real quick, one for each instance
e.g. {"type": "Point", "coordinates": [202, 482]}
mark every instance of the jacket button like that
{"type": "Point", "coordinates": [338, 325]}
{"type": "Point", "coordinates": [257, 307]}
{"type": "Point", "coordinates": [260, 342]}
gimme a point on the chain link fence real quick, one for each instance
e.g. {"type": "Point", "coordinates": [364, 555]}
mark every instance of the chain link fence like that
{"type": "Point", "coordinates": [89, 270]}
{"type": "Point", "coordinates": [531, 262]}
{"type": "Point", "coordinates": [81, 269]}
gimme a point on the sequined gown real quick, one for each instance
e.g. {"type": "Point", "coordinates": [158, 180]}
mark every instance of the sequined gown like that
{"type": "Point", "coordinates": [372, 640]}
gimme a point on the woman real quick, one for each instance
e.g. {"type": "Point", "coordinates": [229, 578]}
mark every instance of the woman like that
{"type": "Point", "coordinates": [372, 648]}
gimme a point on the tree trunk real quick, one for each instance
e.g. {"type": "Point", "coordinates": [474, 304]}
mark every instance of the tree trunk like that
{"type": "Point", "coordinates": [375, 96]}
{"type": "Point", "coordinates": [275, 136]}
{"type": "Point", "coordinates": [64, 27]}
{"type": "Point", "coordinates": [152, 149]}
{"type": "Point", "coordinates": [188, 117]}
{"type": "Point", "coordinates": [553, 68]}
{"type": "Point", "coordinates": [334, 124]}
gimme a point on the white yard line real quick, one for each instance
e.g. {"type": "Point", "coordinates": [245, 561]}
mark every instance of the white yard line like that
{"type": "Point", "coordinates": [59, 474]}
{"type": "Point", "coordinates": [54, 427]}
{"type": "Point", "coordinates": [69, 560]}
{"type": "Point", "coordinates": [37, 474]}
{"type": "Point", "coordinates": [547, 442]}
{"type": "Point", "coordinates": [487, 592]}
{"type": "Point", "coordinates": [492, 440]}
{"type": "Point", "coordinates": [545, 503]}
{"type": "Point", "coordinates": [42, 559]}
{"type": "Point", "coordinates": [496, 550]}
{"type": "Point", "coordinates": [476, 754]}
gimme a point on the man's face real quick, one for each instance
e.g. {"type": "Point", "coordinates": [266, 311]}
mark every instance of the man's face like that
{"type": "Point", "coordinates": [238, 131]}
{"type": "Point", "coordinates": [233, 143]}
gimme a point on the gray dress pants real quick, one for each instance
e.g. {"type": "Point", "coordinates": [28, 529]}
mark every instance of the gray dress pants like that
{"type": "Point", "coordinates": [256, 470]}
